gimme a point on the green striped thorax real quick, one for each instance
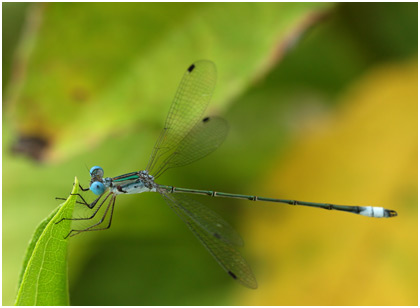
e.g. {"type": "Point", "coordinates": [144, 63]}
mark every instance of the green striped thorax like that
{"type": "Point", "coordinates": [134, 182]}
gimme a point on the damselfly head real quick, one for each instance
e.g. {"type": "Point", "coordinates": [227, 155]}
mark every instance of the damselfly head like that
{"type": "Point", "coordinates": [96, 172]}
{"type": "Point", "coordinates": [97, 188]}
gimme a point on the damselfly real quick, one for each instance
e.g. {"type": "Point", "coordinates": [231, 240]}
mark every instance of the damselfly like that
{"type": "Point", "coordinates": [187, 137]}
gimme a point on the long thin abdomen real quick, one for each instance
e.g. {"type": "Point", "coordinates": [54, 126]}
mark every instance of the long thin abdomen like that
{"type": "Point", "coordinates": [369, 211]}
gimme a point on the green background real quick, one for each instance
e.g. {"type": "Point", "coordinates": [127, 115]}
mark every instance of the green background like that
{"type": "Point", "coordinates": [322, 105]}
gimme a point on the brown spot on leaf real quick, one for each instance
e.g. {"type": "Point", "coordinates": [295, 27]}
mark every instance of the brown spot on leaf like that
{"type": "Point", "coordinates": [34, 147]}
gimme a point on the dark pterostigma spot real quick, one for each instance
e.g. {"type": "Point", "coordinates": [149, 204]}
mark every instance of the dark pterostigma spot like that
{"type": "Point", "coordinates": [217, 235]}
{"type": "Point", "coordinates": [34, 147]}
{"type": "Point", "coordinates": [206, 119]}
{"type": "Point", "coordinates": [232, 274]}
{"type": "Point", "coordinates": [190, 69]}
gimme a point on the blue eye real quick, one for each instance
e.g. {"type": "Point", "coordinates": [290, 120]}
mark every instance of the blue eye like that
{"type": "Point", "coordinates": [96, 171]}
{"type": "Point", "coordinates": [97, 188]}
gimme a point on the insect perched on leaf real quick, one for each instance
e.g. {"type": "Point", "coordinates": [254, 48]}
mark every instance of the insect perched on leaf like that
{"type": "Point", "coordinates": [187, 137]}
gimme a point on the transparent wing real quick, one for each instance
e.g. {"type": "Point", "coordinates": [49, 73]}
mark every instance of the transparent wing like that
{"type": "Point", "coordinates": [206, 218]}
{"type": "Point", "coordinates": [191, 99]}
{"type": "Point", "coordinates": [205, 137]}
{"type": "Point", "coordinates": [224, 253]}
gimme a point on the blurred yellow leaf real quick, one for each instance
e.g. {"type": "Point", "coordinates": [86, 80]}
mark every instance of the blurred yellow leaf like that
{"type": "Point", "coordinates": [364, 154]}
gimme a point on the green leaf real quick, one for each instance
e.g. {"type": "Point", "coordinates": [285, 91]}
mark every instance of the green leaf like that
{"type": "Point", "coordinates": [132, 55]}
{"type": "Point", "coordinates": [43, 279]}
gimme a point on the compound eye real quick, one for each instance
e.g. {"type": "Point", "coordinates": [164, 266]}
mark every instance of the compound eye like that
{"type": "Point", "coordinates": [97, 188]}
{"type": "Point", "coordinates": [96, 171]}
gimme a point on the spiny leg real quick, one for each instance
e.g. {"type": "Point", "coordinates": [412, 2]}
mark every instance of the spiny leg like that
{"type": "Point", "coordinates": [92, 205]}
{"type": "Point", "coordinates": [89, 205]}
{"type": "Point", "coordinates": [83, 189]}
{"type": "Point", "coordinates": [110, 205]}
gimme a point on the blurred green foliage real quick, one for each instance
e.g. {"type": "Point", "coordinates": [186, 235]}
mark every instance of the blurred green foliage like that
{"type": "Point", "coordinates": [12, 21]}
{"type": "Point", "coordinates": [94, 81]}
